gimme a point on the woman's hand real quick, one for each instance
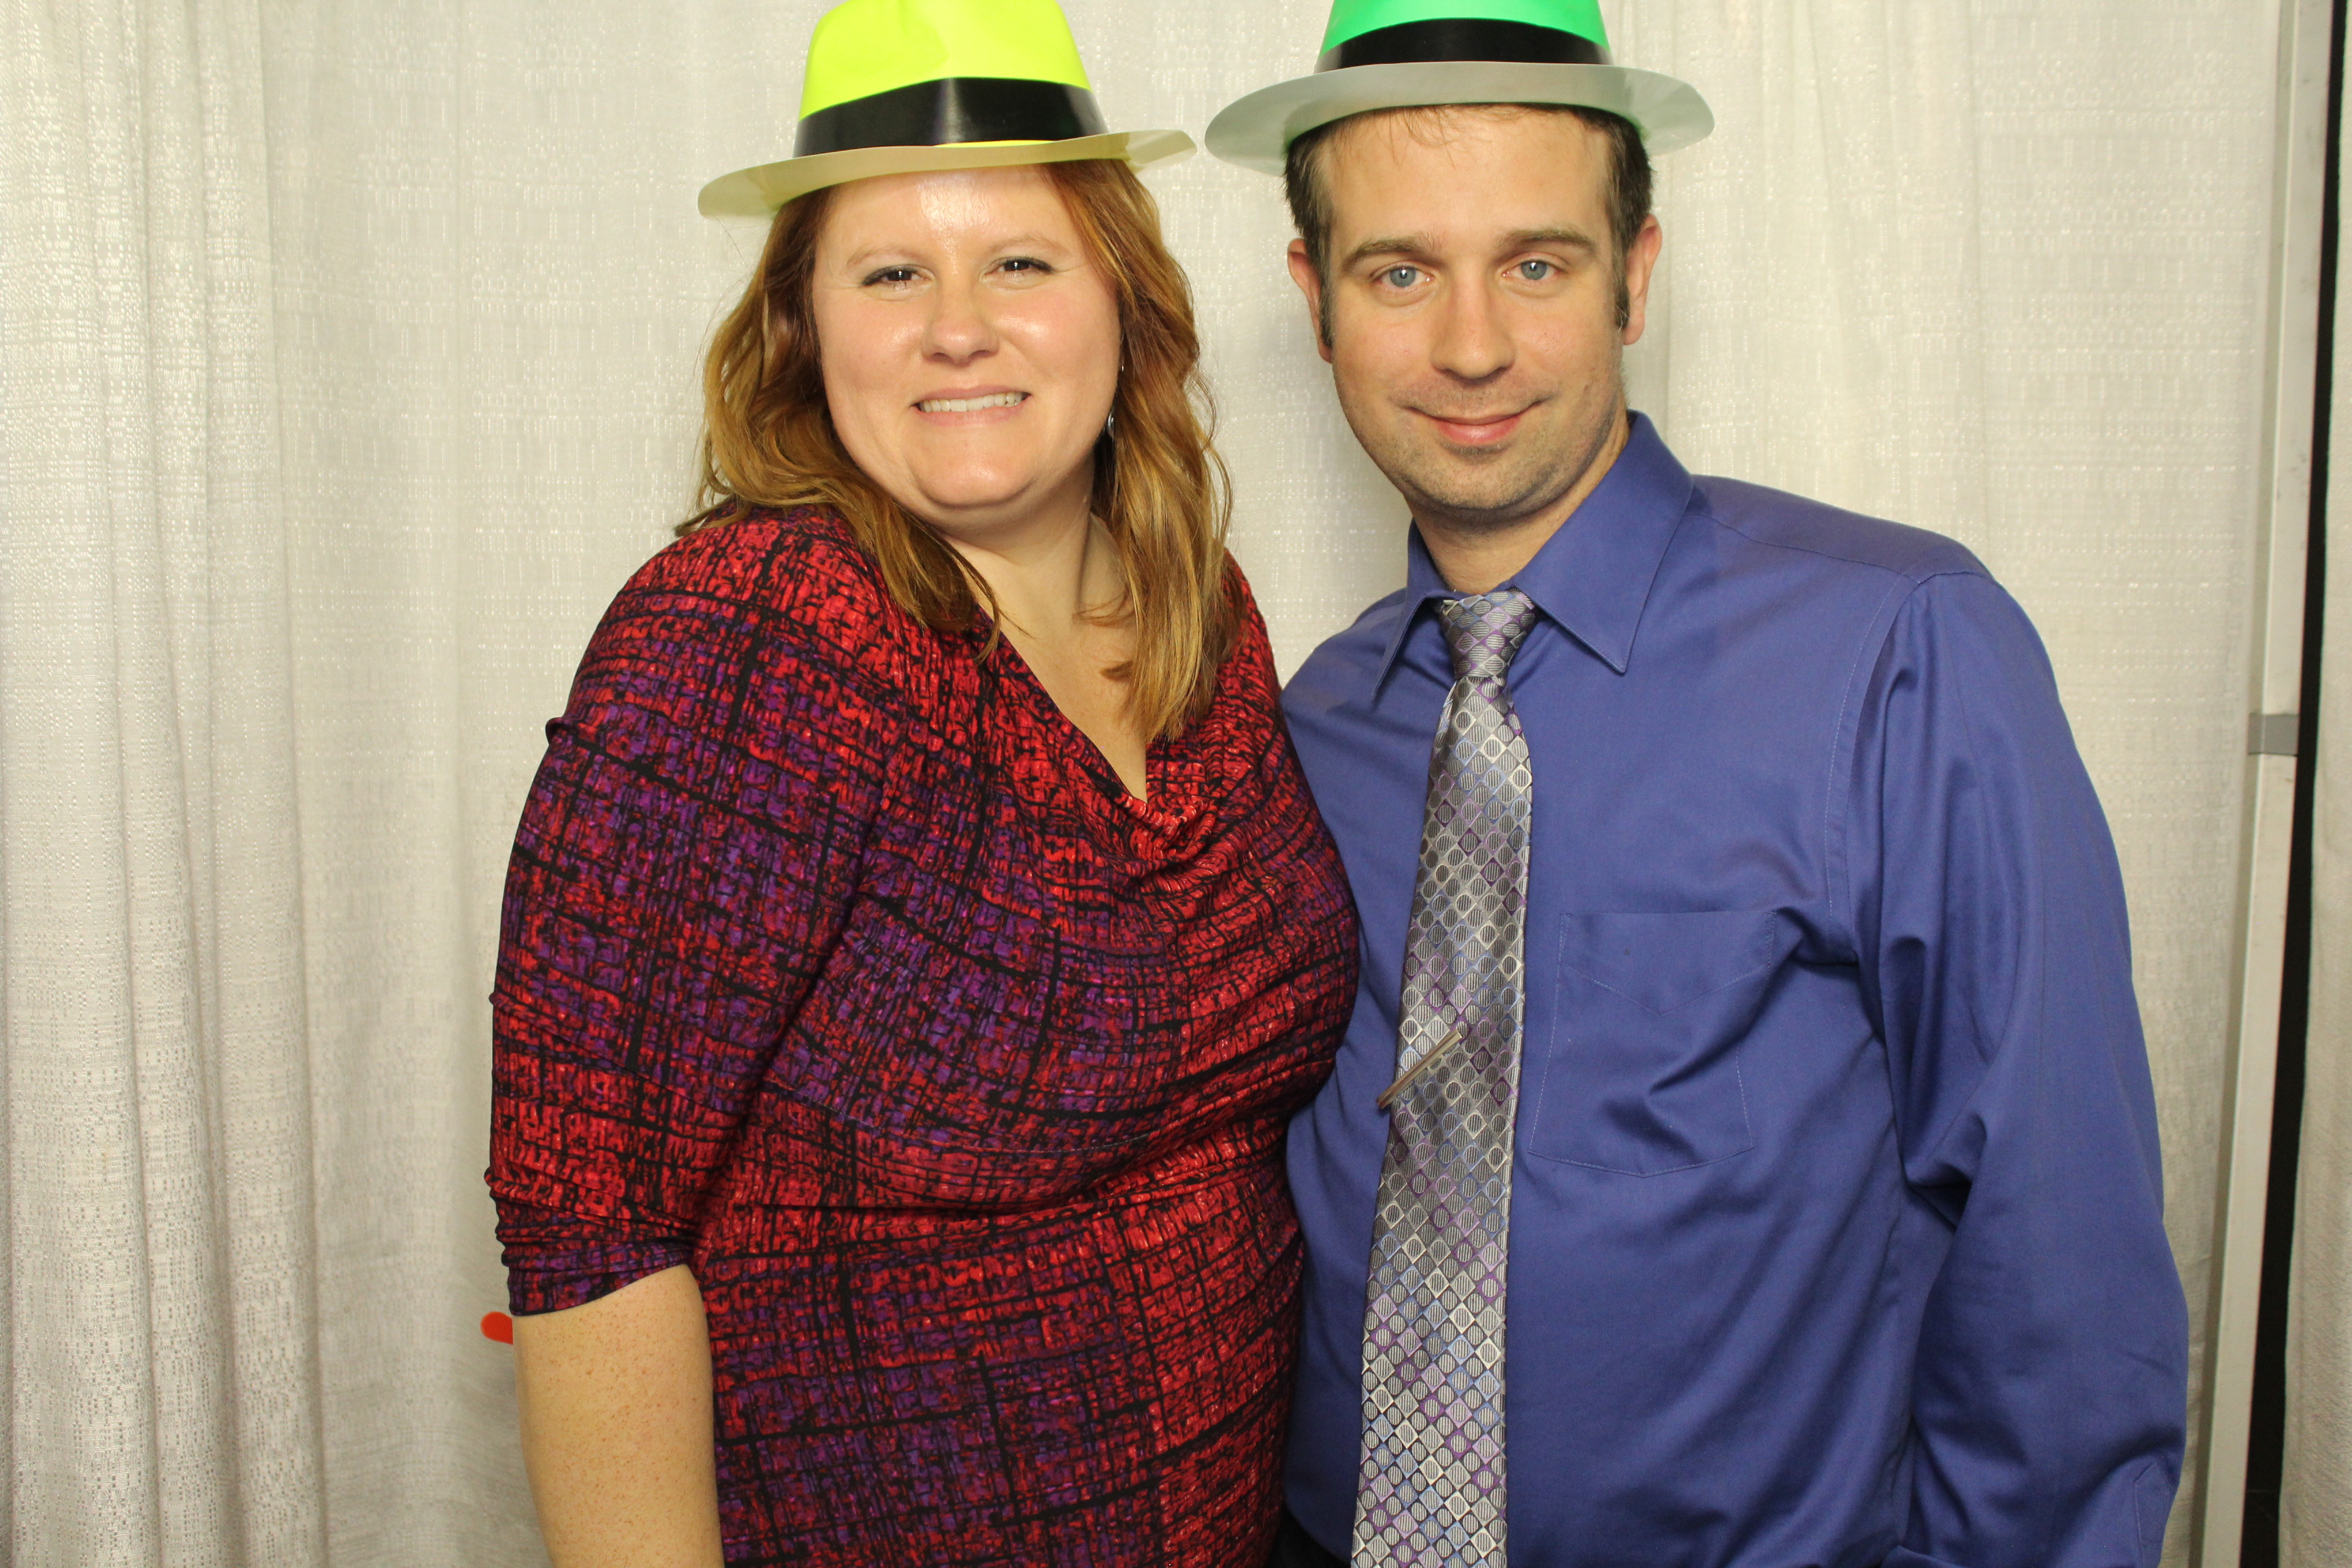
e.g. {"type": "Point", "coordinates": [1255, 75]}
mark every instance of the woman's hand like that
{"type": "Point", "coordinates": [617, 1432]}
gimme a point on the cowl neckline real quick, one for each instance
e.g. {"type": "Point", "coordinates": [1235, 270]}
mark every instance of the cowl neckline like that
{"type": "Point", "coordinates": [1186, 778]}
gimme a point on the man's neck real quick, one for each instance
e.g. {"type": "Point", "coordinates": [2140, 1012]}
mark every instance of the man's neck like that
{"type": "Point", "coordinates": [1476, 553]}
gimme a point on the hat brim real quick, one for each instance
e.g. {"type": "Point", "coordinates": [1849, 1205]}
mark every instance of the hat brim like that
{"type": "Point", "coordinates": [1257, 131]}
{"type": "Point", "coordinates": [758, 192]}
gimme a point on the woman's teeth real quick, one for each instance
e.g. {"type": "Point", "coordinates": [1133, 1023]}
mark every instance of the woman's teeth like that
{"type": "Point", "coordinates": [967, 404]}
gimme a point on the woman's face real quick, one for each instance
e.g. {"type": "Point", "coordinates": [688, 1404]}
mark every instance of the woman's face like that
{"type": "Point", "coordinates": [970, 347]}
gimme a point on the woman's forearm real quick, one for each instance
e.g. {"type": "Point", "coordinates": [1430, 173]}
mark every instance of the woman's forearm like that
{"type": "Point", "coordinates": [616, 1399]}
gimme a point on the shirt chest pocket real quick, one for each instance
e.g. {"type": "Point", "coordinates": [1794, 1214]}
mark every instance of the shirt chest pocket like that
{"type": "Point", "coordinates": [1639, 1069]}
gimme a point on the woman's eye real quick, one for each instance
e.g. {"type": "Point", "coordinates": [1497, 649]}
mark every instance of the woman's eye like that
{"type": "Point", "coordinates": [1023, 263]}
{"type": "Point", "coordinates": [1534, 271]}
{"type": "Point", "coordinates": [898, 274]}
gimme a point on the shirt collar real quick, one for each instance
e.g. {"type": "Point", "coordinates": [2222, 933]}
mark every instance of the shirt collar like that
{"type": "Point", "coordinates": [1593, 575]}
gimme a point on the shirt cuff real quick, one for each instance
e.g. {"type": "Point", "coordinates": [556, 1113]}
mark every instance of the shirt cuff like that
{"type": "Point", "coordinates": [556, 1260]}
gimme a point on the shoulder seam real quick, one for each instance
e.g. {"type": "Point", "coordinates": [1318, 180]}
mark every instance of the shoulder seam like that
{"type": "Point", "coordinates": [1704, 504]}
{"type": "Point", "coordinates": [776, 624]}
{"type": "Point", "coordinates": [1912, 575]}
{"type": "Point", "coordinates": [1867, 648]}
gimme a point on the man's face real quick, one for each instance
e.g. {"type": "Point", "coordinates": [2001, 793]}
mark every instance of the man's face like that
{"type": "Point", "coordinates": [1474, 314]}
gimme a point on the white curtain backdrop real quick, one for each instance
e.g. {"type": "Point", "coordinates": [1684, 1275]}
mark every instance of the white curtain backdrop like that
{"type": "Point", "coordinates": [348, 364]}
{"type": "Point", "coordinates": [2315, 1522]}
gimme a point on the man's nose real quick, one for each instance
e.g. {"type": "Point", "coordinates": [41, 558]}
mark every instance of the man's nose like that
{"type": "Point", "coordinates": [1474, 337]}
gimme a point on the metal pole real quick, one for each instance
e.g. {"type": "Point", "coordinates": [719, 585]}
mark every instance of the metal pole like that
{"type": "Point", "coordinates": [2306, 46]}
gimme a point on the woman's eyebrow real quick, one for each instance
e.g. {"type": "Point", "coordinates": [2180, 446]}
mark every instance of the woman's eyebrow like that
{"type": "Point", "coordinates": [864, 255]}
{"type": "Point", "coordinates": [867, 255]}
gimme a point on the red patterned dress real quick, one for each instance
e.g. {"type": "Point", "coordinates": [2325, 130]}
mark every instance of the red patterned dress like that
{"type": "Point", "coordinates": [837, 963]}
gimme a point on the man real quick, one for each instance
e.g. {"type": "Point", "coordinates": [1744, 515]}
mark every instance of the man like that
{"type": "Point", "coordinates": [1743, 1152]}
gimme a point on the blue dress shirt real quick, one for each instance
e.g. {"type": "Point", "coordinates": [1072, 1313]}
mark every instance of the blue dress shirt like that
{"type": "Point", "coordinates": [1836, 1227]}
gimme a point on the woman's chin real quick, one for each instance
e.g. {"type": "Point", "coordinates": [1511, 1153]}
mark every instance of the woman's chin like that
{"type": "Point", "coordinates": [971, 505]}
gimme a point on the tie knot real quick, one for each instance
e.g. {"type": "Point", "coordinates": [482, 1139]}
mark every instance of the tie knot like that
{"type": "Point", "coordinates": [1484, 630]}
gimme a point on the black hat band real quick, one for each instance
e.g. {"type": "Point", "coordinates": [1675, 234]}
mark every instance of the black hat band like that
{"type": "Point", "coordinates": [954, 108]}
{"type": "Point", "coordinates": [1463, 39]}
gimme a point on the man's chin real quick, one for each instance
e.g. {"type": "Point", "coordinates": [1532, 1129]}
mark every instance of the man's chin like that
{"type": "Point", "coordinates": [1470, 494]}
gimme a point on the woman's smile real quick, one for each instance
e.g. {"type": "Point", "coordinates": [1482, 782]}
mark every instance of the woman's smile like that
{"type": "Point", "coordinates": [980, 276]}
{"type": "Point", "coordinates": [958, 408]}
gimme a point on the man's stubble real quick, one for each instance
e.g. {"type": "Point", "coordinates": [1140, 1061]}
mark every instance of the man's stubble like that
{"type": "Point", "coordinates": [1473, 493]}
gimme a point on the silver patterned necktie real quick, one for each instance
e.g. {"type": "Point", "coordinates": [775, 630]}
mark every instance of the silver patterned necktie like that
{"type": "Point", "coordinates": [1430, 1485]}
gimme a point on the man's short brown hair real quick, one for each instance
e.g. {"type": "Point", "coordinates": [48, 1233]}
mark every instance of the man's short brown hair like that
{"type": "Point", "coordinates": [1627, 197]}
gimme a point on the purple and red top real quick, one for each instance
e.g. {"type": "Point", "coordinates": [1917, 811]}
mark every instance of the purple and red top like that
{"type": "Point", "coordinates": [837, 964]}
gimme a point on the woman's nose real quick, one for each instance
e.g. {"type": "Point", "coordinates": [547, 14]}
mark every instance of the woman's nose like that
{"type": "Point", "coordinates": [960, 328]}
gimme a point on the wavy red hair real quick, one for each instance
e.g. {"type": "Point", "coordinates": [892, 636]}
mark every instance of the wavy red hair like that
{"type": "Point", "coordinates": [1160, 491]}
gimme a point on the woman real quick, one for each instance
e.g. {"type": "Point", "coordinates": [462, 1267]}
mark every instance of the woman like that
{"type": "Point", "coordinates": [920, 928]}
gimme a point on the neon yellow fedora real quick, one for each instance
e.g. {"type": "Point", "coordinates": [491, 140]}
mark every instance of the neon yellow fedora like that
{"type": "Point", "coordinates": [898, 86]}
{"type": "Point", "coordinates": [1399, 54]}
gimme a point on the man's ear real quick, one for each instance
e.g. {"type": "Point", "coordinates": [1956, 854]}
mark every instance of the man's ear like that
{"type": "Point", "coordinates": [1641, 261]}
{"type": "Point", "coordinates": [1310, 283]}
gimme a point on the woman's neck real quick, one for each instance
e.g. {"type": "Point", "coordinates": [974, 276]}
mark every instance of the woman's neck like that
{"type": "Point", "coordinates": [1045, 576]}
{"type": "Point", "coordinates": [1047, 568]}
{"type": "Point", "coordinates": [1051, 579]}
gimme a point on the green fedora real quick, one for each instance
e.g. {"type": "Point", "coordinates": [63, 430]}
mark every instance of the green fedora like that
{"type": "Point", "coordinates": [1402, 54]}
{"type": "Point", "coordinates": [898, 86]}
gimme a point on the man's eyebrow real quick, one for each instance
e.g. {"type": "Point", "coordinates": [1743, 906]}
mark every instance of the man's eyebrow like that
{"type": "Point", "coordinates": [1391, 244]}
{"type": "Point", "coordinates": [1573, 239]}
{"type": "Point", "coordinates": [1569, 238]}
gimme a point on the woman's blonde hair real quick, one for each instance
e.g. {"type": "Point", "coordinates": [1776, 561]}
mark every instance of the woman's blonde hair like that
{"type": "Point", "coordinates": [1160, 490]}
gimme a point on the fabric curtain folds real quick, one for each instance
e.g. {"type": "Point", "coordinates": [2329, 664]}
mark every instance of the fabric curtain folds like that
{"type": "Point", "coordinates": [161, 1272]}
{"type": "Point", "coordinates": [348, 366]}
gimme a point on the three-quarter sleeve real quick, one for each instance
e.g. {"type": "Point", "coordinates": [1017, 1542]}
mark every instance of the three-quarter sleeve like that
{"type": "Point", "coordinates": [2050, 1396]}
{"type": "Point", "coordinates": [684, 864]}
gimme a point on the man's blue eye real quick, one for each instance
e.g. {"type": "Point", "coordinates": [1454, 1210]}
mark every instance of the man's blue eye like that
{"type": "Point", "coordinates": [1534, 271]}
{"type": "Point", "coordinates": [1403, 277]}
